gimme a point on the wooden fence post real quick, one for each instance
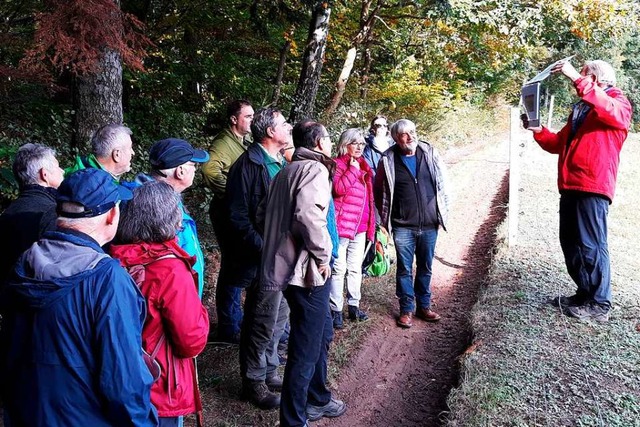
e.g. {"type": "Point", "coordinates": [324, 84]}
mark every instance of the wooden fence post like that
{"type": "Point", "coordinates": [550, 112]}
{"type": "Point", "coordinates": [514, 176]}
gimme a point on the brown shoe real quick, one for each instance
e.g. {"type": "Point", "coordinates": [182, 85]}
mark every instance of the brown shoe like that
{"type": "Point", "coordinates": [427, 315]}
{"type": "Point", "coordinates": [404, 321]}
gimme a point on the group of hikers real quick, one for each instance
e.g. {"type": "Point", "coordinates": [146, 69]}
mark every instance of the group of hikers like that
{"type": "Point", "coordinates": [101, 290]}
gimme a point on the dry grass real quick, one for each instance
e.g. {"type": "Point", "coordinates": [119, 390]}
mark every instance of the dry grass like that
{"type": "Point", "coordinates": [532, 365]}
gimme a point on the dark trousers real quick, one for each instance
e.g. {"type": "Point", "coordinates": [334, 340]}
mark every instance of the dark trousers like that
{"type": "Point", "coordinates": [305, 375]}
{"type": "Point", "coordinates": [228, 297]}
{"type": "Point", "coordinates": [265, 316]}
{"type": "Point", "coordinates": [583, 238]}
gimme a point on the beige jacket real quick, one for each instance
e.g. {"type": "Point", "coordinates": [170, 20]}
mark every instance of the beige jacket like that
{"type": "Point", "coordinates": [296, 238]}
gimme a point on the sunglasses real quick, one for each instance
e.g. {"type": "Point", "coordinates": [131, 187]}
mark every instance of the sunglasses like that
{"type": "Point", "coordinates": [379, 125]}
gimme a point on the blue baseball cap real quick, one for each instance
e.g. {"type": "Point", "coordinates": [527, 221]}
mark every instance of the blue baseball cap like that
{"type": "Point", "coordinates": [92, 188]}
{"type": "Point", "coordinates": [172, 152]}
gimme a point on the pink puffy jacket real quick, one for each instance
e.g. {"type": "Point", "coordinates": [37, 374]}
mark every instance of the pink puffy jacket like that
{"type": "Point", "coordinates": [352, 188]}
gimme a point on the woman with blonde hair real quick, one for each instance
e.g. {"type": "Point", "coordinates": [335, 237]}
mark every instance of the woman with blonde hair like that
{"type": "Point", "coordinates": [355, 217]}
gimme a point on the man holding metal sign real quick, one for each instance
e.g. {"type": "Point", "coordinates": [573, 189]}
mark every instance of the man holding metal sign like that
{"type": "Point", "coordinates": [588, 149]}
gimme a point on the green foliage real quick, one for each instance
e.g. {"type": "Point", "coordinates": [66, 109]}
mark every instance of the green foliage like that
{"type": "Point", "coordinates": [38, 120]}
{"type": "Point", "coordinates": [427, 62]}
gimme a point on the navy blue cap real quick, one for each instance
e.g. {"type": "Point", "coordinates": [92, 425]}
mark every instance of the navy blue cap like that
{"type": "Point", "coordinates": [92, 188]}
{"type": "Point", "coordinates": [172, 152]}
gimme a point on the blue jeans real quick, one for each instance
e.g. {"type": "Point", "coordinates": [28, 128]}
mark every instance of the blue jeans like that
{"type": "Point", "coordinates": [171, 421]}
{"type": "Point", "coordinates": [305, 374]}
{"type": "Point", "coordinates": [228, 298]}
{"type": "Point", "coordinates": [583, 238]}
{"type": "Point", "coordinates": [229, 310]}
{"type": "Point", "coordinates": [421, 244]}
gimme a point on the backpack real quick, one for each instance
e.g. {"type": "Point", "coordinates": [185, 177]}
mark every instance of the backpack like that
{"type": "Point", "coordinates": [138, 273]}
{"type": "Point", "coordinates": [378, 257]}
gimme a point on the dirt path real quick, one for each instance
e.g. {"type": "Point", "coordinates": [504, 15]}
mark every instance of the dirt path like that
{"type": "Point", "coordinates": [402, 377]}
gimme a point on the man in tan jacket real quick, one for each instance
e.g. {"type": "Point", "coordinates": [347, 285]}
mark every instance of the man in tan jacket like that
{"type": "Point", "coordinates": [296, 260]}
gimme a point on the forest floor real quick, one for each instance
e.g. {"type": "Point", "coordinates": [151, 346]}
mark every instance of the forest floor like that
{"type": "Point", "coordinates": [385, 374]}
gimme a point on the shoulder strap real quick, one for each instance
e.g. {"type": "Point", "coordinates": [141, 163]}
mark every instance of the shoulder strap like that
{"type": "Point", "coordinates": [138, 271]}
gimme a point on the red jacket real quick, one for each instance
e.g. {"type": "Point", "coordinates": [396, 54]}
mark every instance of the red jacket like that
{"type": "Point", "coordinates": [590, 162]}
{"type": "Point", "coordinates": [173, 309]}
{"type": "Point", "coordinates": [352, 188]}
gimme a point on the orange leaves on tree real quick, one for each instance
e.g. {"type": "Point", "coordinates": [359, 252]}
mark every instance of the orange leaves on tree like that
{"type": "Point", "coordinates": [74, 34]}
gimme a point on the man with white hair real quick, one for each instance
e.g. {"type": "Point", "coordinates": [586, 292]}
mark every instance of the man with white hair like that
{"type": "Point", "coordinates": [111, 151]}
{"type": "Point", "coordinates": [588, 149]}
{"type": "Point", "coordinates": [175, 162]}
{"type": "Point", "coordinates": [38, 174]}
{"type": "Point", "coordinates": [411, 195]}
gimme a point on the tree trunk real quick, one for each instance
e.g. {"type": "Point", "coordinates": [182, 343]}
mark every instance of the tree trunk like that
{"type": "Point", "coordinates": [278, 83]}
{"type": "Point", "coordinates": [98, 99]}
{"type": "Point", "coordinates": [364, 34]}
{"type": "Point", "coordinates": [364, 75]}
{"type": "Point", "coordinates": [305, 96]}
{"type": "Point", "coordinates": [341, 84]}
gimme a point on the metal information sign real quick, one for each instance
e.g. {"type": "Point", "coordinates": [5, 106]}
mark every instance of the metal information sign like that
{"type": "Point", "coordinates": [530, 93]}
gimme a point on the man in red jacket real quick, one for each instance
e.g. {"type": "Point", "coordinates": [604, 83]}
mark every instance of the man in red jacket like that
{"type": "Point", "coordinates": [588, 149]}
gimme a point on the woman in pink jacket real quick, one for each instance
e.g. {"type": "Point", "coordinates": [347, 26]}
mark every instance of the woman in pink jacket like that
{"type": "Point", "coordinates": [355, 217]}
{"type": "Point", "coordinates": [176, 327]}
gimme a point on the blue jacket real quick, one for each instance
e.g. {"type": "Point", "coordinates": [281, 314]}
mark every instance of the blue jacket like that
{"type": "Point", "coordinates": [187, 235]}
{"type": "Point", "coordinates": [71, 338]}
{"type": "Point", "coordinates": [372, 155]}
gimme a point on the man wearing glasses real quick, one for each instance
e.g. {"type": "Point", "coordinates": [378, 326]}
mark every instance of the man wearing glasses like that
{"type": "Point", "coordinates": [377, 142]}
{"type": "Point", "coordinates": [175, 161]}
{"type": "Point", "coordinates": [410, 194]}
{"type": "Point", "coordinates": [265, 313]}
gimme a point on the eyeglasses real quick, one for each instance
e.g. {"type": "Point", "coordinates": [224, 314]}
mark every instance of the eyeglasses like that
{"type": "Point", "coordinates": [357, 144]}
{"type": "Point", "coordinates": [379, 125]}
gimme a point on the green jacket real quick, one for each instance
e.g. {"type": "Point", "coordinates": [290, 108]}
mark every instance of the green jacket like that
{"type": "Point", "coordinates": [83, 162]}
{"type": "Point", "coordinates": [225, 150]}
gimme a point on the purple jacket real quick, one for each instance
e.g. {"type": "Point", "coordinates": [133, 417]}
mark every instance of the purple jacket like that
{"type": "Point", "coordinates": [352, 188]}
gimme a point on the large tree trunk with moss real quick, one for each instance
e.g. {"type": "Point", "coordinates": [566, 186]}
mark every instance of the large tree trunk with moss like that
{"type": "Point", "coordinates": [307, 90]}
{"type": "Point", "coordinates": [98, 99]}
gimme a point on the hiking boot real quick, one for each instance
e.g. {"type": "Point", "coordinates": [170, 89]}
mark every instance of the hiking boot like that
{"type": "Point", "coordinates": [427, 315]}
{"type": "Point", "coordinates": [258, 393]}
{"type": "Point", "coordinates": [356, 314]}
{"type": "Point", "coordinates": [215, 338]}
{"type": "Point", "coordinates": [405, 320]}
{"type": "Point", "coordinates": [274, 382]}
{"type": "Point", "coordinates": [337, 319]}
{"type": "Point", "coordinates": [589, 311]}
{"type": "Point", "coordinates": [333, 409]}
{"type": "Point", "coordinates": [563, 302]}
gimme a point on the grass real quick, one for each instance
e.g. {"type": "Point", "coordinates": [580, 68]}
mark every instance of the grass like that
{"type": "Point", "coordinates": [533, 366]}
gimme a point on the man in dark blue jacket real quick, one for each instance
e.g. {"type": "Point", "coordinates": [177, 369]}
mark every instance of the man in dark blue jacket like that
{"type": "Point", "coordinates": [71, 350]}
{"type": "Point", "coordinates": [266, 313]}
{"type": "Point", "coordinates": [38, 174]}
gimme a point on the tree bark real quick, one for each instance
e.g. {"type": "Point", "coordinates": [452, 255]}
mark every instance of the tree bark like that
{"type": "Point", "coordinates": [305, 96]}
{"type": "Point", "coordinates": [278, 83]}
{"type": "Point", "coordinates": [341, 84]}
{"type": "Point", "coordinates": [364, 74]}
{"type": "Point", "coordinates": [364, 34]}
{"type": "Point", "coordinates": [98, 99]}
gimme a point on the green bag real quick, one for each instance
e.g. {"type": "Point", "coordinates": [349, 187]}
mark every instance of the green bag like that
{"type": "Point", "coordinates": [379, 253]}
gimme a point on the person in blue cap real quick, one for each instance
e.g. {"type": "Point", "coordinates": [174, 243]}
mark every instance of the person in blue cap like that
{"type": "Point", "coordinates": [70, 346]}
{"type": "Point", "coordinates": [175, 161]}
